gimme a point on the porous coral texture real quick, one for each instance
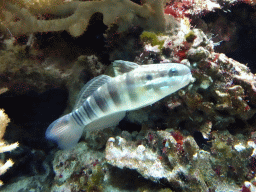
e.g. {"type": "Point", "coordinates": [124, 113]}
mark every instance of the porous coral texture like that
{"type": "Point", "coordinates": [76, 15]}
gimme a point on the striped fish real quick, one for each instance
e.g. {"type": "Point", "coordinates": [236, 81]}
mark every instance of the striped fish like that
{"type": "Point", "coordinates": [104, 100]}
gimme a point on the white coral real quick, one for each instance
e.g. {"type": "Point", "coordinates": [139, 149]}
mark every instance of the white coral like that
{"type": "Point", "coordinates": [4, 120]}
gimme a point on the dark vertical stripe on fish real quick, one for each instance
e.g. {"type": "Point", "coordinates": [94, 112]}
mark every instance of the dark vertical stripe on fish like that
{"type": "Point", "coordinates": [77, 118]}
{"type": "Point", "coordinates": [100, 101]}
{"type": "Point", "coordinates": [88, 110]}
{"type": "Point", "coordinates": [81, 116]}
{"type": "Point", "coordinates": [130, 85]}
{"type": "Point", "coordinates": [112, 89]}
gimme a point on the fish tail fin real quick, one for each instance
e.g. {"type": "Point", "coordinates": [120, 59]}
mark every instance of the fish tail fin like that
{"type": "Point", "coordinates": [65, 132]}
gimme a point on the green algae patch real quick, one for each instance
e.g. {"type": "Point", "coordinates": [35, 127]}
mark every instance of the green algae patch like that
{"type": "Point", "coordinates": [96, 179]}
{"type": "Point", "coordinates": [190, 36]}
{"type": "Point", "coordinates": [151, 38]}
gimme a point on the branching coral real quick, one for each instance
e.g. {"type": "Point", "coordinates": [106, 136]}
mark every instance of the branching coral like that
{"type": "Point", "coordinates": [150, 16]}
{"type": "Point", "coordinates": [4, 120]}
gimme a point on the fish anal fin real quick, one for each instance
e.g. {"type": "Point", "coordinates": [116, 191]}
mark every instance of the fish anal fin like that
{"type": "Point", "coordinates": [106, 121]}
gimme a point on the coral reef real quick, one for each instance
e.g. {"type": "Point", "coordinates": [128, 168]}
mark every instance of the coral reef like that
{"type": "Point", "coordinates": [223, 92]}
{"type": "Point", "coordinates": [168, 162]}
{"type": "Point", "coordinates": [201, 138]}
{"type": "Point", "coordinates": [78, 169]}
{"type": "Point", "coordinates": [179, 160]}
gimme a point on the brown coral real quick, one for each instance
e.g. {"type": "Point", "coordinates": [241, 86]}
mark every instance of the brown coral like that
{"type": "Point", "coordinates": [150, 16]}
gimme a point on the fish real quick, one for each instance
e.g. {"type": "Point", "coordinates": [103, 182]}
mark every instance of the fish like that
{"type": "Point", "coordinates": [104, 100]}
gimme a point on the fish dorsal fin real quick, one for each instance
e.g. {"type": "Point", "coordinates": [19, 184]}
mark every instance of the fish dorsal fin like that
{"type": "Point", "coordinates": [89, 88]}
{"type": "Point", "coordinates": [120, 67]}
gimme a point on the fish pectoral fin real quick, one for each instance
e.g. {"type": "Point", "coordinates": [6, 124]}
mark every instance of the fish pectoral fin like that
{"type": "Point", "coordinates": [106, 121]}
{"type": "Point", "coordinates": [120, 67]}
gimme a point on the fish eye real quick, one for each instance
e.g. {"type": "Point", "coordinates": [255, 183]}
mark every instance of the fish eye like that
{"type": "Point", "coordinates": [149, 77]}
{"type": "Point", "coordinates": [172, 72]}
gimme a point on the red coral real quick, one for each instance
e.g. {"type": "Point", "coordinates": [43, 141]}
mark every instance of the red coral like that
{"type": "Point", "coordinates": [245, 189]}
{"type": "Point", "coordinates": [177, 136]}
{"type": "Point", "coordinates": [179, 139]}
{"type": "Point", "coordinates": [178, 9]}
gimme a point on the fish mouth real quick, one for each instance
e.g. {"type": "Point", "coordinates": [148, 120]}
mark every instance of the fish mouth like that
{"type": "Point", "coordinates": [185, 79]}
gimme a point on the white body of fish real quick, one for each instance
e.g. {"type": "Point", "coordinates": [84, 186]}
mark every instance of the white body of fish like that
{"type": "Point", "coordinates": [104, 100]}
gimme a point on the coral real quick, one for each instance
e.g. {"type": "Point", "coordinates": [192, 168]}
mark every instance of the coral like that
{"type": "Point", "coordinates": [230, 155]}
{"type": "Point", "coordinates": [185, 8]}
{"type": "Point", "coordinates": [223, 91]}
{"type": "Point", "coordinates": [123, 45]}
{"type": "Point", "coordinates": [222, 94]}
{"type": "Point", "coordinates": [151, 38]}
{"type": "Point", "coordinates": [150, 16]}
{"type": "Point", "coordinates": [80, 167]}
{"type": "Point", "coordinates": [166, 160]}
{"type": "Point", "coordinates": [34, 5]}
{"type": "Point", "coordinates": [96, 179]}
{"type": "Point", "coordinates": [21, 72]}
{"type": "Point", "coordinates": [4, 120]}
{"type": "Point", "coordinates": [21, 68]}
{"type": "Point", "coordinates": [177, 159]}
